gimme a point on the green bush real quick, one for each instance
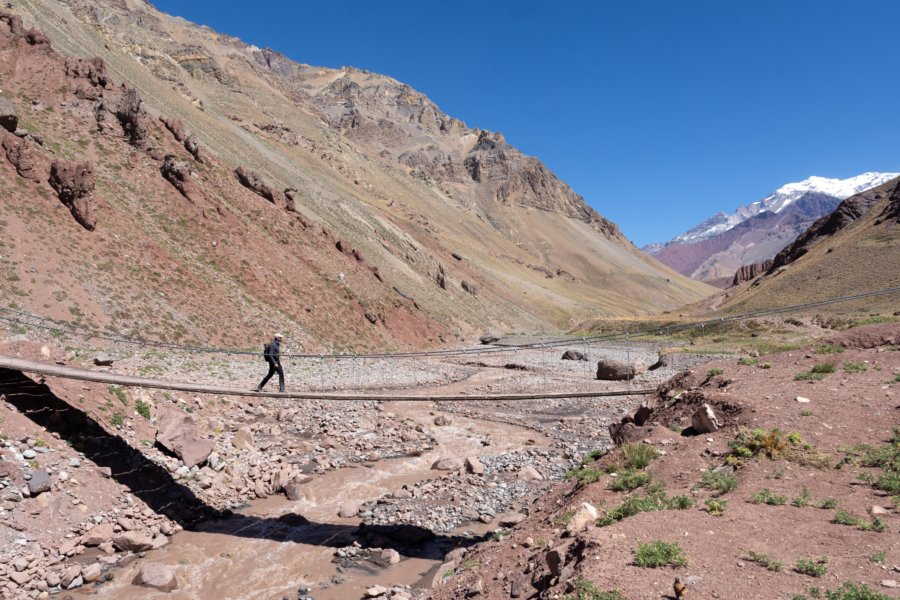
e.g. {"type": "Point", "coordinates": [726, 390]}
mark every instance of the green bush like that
{"type": "Point", "coordinates": [585, 475]}
{"type": "Point", "coordinates": [823, 368]}
{"type": "Point", "coordinates": [142, 408]}
{"type": "Point", "coordinates": [813, 568]}
{"type": "Point", "coordinates": [635, 456]}
{"type": "Point", "coordinates": [719, 481]}
{"type": "Point", "coordinates": [654, 499]}
{"type": "Point", "coordinates": [850, 591]}
{"type": "Point", "coordinates": [765, 496]}
{"type": "Point", "coordinates": [851, 367]}
{"type": "Point", "coordinates": [713, 373]}
{"type": "Point", "coordinates": [828, 349]}
{"type": "Point", "coordinates": [842, 517]}
{"type": "Point", "coordinates": [629, 480]}
{"type": "Point", "coordinates": [716, 506]}
{"type": "Point", "coordinates": [586, 590]}
{"type": "Point", "coordinates": [659, 554]}
{"type": "Point", "coordinates": [803, 498]}
{"type": "Point", "coordinates": [746, 361]}
{"type": "Point", "coordinates": [117, 420]}
{"type": "Point", "coordinates": [765, 561]}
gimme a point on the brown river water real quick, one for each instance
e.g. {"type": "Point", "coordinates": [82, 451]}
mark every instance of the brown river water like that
{"type": "Point", "coordinates": [275, 546]}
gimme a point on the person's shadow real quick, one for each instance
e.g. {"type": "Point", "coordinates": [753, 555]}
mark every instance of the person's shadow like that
{"type": "Point", "coordinates": [155, 486]}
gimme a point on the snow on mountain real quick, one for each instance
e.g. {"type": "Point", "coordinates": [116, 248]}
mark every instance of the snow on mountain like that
{"type": "Point", "coordinates": [781, 199]}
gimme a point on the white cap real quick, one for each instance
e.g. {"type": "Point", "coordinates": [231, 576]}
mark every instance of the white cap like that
{"type": "Point", "coordinates": [278, 336]}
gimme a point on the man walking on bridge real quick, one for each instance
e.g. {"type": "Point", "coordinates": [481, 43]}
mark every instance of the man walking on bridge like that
{"type": "Point", "coordinates": [273, 357]}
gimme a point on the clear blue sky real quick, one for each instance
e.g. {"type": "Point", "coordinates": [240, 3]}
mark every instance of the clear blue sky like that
{"type": "Point", "coordinates": [659, 113]}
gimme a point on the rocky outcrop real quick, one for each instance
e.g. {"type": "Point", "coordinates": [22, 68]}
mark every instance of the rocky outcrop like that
{"type": "Point", "coordinates": [193, 147]}
{"type": "Point", "coordinates": [175, 127]}
{"type": "Point", "coordinates": [748, 272]}
{"type": "Point", "coordinates": [21, 156]}
{"type": "Point", "coordinates": [89, 76]}
{"type": "Point", "coordinates": [14, 22]}
{"type": "Point", "coordinates": [74, 182]}
{"type": "Point", "coordinates": [131, 115]}
{"type": "Point", "coordinates": [9, 118]}
{"type": "Point", "coordinates": [178, 173]}
{"type": "Point", "coordinates": [253, 182]}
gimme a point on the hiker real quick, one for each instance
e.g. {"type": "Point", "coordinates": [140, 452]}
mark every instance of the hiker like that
{"type": "Point", "coordinates": [273, 357]}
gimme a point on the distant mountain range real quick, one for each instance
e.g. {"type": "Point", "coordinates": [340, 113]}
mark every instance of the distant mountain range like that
{"type": "Point", "coordinates": [719, 246]}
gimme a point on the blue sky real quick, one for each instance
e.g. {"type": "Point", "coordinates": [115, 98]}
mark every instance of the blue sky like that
{"type": "Point", "coordinates": [659, 113]}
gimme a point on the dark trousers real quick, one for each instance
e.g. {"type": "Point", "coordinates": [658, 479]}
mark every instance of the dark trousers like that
{"type": "Point", "coordinates": [272, 369]}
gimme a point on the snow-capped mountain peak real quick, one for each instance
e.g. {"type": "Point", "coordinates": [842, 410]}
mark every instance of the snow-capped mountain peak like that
{"type": "Point", "coordinates": [781, 199]}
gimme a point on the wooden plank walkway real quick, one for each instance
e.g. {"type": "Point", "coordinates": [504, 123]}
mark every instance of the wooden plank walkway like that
{"type": "Point", "coordinates": [54, 370]}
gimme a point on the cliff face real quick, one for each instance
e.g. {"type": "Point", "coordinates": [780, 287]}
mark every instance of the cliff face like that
{"type": "Point", "coordinates": [292, 196]}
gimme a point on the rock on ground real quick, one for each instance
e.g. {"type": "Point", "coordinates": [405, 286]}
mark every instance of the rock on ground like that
{"type": "Point", "coordinates": [156, 575]}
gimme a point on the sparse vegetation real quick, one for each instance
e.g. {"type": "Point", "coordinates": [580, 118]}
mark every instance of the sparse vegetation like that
{"type": "Point", "coordinates": [803, 499]}
{"type": "Point", "coordinates": [585, 475]}
{"type": "Point", "coordinates": [773, 444]}
{"type": "Point", "coordinates": [764, 366]}
{"type": "Point", "coordinates": [828, 503]}
{"type": "Point", "coordinates": [720, 482]}
{"type": "Point", "coordinates": [716, 506]}
{"type": "Point", "coordinates": [117, 420]}
{"type": "Point", "coordinates": [714, 373]}
{"type": "Point", "coordinates": [654, 499]}
{"type": "Point", "coordinates": [765, 496]}
{"type": "Point", "coordinates": [747, 361]}
{"type": "Point", "coordinates": [878, 557]}
{"type": "Point", "coordinates": [765, 561]}
{"type": "Point", "coordinates": [659, 554]}
{"type": "Point", "coordinates": [829, 349]}
{"type": "Point", "coordinates": [855, 367]}
{"type": "Point", "coordinates": [634, 456]}
{"type": "Point", "coordinates": [142, 408]}
{"type": "Point", "coordinates": [119, 393]}
{"type": "Point", "coordinates": [629, 480]}
{"type": "Point", "coordinates": [813, 568]}
{"type": "Point", "coordinates": [586, 590]}
{"type": "Point", "coordinates": [842, 517]}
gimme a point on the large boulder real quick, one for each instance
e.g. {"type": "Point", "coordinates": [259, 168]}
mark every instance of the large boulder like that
{"type": "Point", "coordinates": [177, 433]}
{"type": "Point", "coordinates": [99, 534]}
{"type": "Point", "coordinates": [74, 182]}
{"type": "Point", "coordinates": [704, 420]}
{"type": "Point", "coordinates": [9, 118]}
{"type": "Point", "coordinates": [133, 541]}
{"type": "Point", "coordinates": [39, 482]}
{"type": "Point", "coordinates": [447, 463]}
{"type": "Point", "coordinates": [156, 575]}
{"type": "Point", "coordinates": [585, 515]}
{"type": "Point", "coordinates": [489, 338]}
{"type": "Point", "coordinates": [609, 369]}
{"type": "Point", "coordinates": [573, 355]}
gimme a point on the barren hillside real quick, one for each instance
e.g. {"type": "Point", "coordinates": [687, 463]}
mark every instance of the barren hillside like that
{"type": "Point", "coordinates": [339, 205]}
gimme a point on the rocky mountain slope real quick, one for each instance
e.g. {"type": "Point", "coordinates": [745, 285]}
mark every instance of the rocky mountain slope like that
{"type": "Point", "coordinates": [339, 205]}
{"type": "Point", "coordinates": [715, 249]}
{"type": "Point", "coordinates": [854, 249]}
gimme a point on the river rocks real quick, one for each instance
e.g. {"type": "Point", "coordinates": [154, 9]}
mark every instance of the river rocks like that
{"type": "Point", "coordinates": [178, 434]}
{"type": "Point", "coordinates": [294, 491]}
{"type": "Point", "coordinates": [529, 473]}
{"type": "Point", "coordinates": [133, 541]}
{"type": "Point", "coordinates": [704, 420]}
{"type": "Point", "coordinates": [91, 573]}
{"type": "Point", "coordinates": [390, 556]}
{"type": "Point", "coordinates": [447, 463]}
{"type": "Point", "coordinates": [178, 173]}
{"type": "Point", "coordinates": [609, 369]}
{"type": "Point", "coordinates": [243, 439]}
{"type": "Point", "coordinates": [97, 535]}
{"type": "Point", "coordinates": [156, 575]}
{"type": "Point", "coordinates": [70, 575]}
{"type": "Point", "coordinates": [474, 466]}
{"type": "Point", "coordinates": [348, 509]}
{"type": "Point", "coordinates": [39, 482]}
{"type": "Point", "coordinates": [573, 355]}
{"type": "Point", "coordinates": [74, 182]}
{"type": "Point", "coordinates": [585, 515]}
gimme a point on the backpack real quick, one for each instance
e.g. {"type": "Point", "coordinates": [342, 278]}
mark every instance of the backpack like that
{"type": "Point", "coordinates": [267, 352]}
